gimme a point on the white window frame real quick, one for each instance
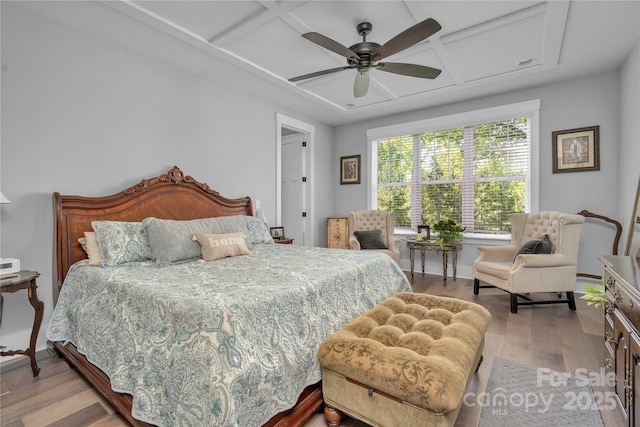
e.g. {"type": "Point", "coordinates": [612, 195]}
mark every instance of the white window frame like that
{"type": "Point", "coordinates": [530, 108]}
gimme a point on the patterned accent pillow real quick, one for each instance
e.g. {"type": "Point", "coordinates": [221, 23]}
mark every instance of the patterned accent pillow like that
{"type": "Point", "coordinates": [121, 242]}
{"type": "Point", "coordinates": [258, 230]}
{"type": "Point", "coordinates": [216, 246]}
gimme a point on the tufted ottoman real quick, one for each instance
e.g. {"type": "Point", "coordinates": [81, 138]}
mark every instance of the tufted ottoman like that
{"type": "Point", "coordinates": [406, 362]}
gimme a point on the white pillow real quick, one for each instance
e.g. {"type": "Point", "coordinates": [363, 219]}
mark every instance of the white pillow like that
{"type": "Point", "coordinates": [89, 244]}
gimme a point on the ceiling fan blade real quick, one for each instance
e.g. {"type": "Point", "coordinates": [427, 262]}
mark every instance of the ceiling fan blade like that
{"type": "Point", "coordinates": [412, 70]}
{"type": "Point", "coordinates": [332, 45]}
{"type": "Point", "coordinates": [408, 38]}
{"type": "Point", "coordinates": [319, 73]}
{"type": "Point", "coordinates": [361, 85]}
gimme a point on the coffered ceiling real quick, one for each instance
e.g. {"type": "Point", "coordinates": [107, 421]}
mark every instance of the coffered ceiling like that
{"type": "Point", "coordinates": [483, 48]}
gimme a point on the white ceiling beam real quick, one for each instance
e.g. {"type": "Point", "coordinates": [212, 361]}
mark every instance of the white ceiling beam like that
{"type": "Point", "coordinates": [498, 22]}
{"type": "Point", "coordinates": [554, 26]}
{"type": "Point", "coordinates": [272, 10]}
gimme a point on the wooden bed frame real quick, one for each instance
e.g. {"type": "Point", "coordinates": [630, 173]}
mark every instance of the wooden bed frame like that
{"type": "Point", "coordinates": [172, 195]}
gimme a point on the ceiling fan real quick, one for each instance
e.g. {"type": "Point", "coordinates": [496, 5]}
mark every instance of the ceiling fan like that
{"type": "Point", "coordinates": [366, 55]}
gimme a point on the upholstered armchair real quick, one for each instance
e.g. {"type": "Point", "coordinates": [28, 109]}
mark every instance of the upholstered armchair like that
{"type": "Point", "coordinates": [519, 268]}
{"type": "Point", "coordinates": [368, 222]}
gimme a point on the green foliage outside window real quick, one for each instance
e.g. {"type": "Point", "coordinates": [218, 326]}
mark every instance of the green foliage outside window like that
{"type": "Point", "coordinates": [430, 169]}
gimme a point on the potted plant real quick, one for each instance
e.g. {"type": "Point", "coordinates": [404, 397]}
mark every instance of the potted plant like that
{"type": "Point", "coordinates": [448, 231]}
{"type": "Point", "coordinates": [594, 295]}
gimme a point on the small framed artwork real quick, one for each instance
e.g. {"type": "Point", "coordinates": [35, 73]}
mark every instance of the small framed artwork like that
{"type": "Point", "coordinates": [350, 169]}
{"type": "Point", "coordinates": [425, 232]}
{"type": "Point", "coordinates": [277, 233]}
{"type": "Point", "coordinates": [576, 150]}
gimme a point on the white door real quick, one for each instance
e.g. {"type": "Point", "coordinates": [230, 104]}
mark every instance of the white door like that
{"type": "Point", "coordinates": [293, 188]}
{"type": "Point", "coordinates": [294, 163]}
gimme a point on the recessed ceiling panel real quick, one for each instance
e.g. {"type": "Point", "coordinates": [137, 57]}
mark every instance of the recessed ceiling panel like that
{"type": "Point", "coordinates": [458, 15]}
{"type": "Point", "coordinates": [499, 50]}
{"type": "Point", "coordinates": [402, 86]}
{"type": "Point", "coordinates": [339, 90]}
{"type": "Point", "coordinates": [284, 52]}
{"type": "Point", "coordinates": [338, 19]}
{"type": "Point", "coordinates": [204, 18]}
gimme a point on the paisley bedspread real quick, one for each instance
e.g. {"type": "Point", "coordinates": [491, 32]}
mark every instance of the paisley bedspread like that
{"type": "Point", "coordinates": [230, 342]}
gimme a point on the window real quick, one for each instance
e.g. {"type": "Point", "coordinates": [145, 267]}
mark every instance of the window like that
{"type": "Point", "coordinates": [474, 168]}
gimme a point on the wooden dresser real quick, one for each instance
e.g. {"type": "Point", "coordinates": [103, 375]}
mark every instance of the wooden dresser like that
{"type": "Point", "coordinates": [338, 233]}
{"type": "Point", "coordinates": [621, 332]}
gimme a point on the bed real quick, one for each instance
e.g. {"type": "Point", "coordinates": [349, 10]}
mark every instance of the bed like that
{"type": "Point", "coordinates": [231, 341]}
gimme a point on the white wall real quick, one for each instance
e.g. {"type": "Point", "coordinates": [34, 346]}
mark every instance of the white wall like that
{"type": "Point", "coordinates": [83, 116]}
{"type": "Point", "coordinates": [578, 103]}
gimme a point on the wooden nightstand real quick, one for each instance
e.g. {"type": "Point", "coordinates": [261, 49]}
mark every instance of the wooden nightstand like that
{"type": "Point", "coordinates": [26, 280]}
{"type": "Point", "coordinates": [284, 241]}
{"type": "Point", "coordinates": [338, 233]}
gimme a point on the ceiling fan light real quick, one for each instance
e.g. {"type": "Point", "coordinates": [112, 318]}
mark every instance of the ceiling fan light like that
{"type": "Point", "coordinates": [361, 85]}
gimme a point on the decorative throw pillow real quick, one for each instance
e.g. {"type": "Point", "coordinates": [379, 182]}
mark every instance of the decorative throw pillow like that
{"type": "Point", "coordinates": [90, 246]}
{"type": "Point", "coordinates": [120, 242]}
{"type": "Point", "coordinates": [371, 239]}
{"type": "Point", "coordinates": [541, 245]}
{"type": "Point", "coordinates": [172, 241]}
{"type": "Point", "coordinates": [216, 246]}
{"type": "Point", "coordinates": [258, 231]}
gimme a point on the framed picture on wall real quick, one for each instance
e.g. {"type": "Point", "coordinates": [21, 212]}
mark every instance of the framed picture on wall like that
{"type": "Point", "coordinates": [350, 169]}
{"type": "Point", "coordinates": [576, 150]}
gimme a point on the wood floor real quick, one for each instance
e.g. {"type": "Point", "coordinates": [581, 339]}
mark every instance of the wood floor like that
{"type": "Point", "coordinates": [550, 336]}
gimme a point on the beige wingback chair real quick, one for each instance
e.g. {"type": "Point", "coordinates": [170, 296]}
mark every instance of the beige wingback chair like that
{"type": "Point", "coordinates": [528, 273]}
{"type": "Point", "coordinates": [375, 220]}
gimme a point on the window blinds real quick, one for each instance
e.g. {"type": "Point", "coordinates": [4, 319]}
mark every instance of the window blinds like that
{"type": "Point", "coordinates": [476, 174]}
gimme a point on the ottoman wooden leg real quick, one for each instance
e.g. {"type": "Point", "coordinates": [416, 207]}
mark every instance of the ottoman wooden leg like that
{"type": "Point", "coordinates": [332, 415]}
{"type": "Point", "coordinates": [479, 362]}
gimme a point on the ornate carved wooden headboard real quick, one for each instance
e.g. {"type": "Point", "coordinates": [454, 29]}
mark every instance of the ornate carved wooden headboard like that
{"type": "Point", "coordinates": [172, 195]}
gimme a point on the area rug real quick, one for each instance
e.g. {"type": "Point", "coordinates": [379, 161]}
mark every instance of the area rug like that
{"type": "Point", "coordinates": [523, 395]}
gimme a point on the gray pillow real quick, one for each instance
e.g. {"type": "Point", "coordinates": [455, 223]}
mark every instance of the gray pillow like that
{"type": "Point", "coordinates": [541, 245]}
{"type": "Point", "coordinates": [172, 241]}
{"type": "Point", "coordinates": [371, 239]}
